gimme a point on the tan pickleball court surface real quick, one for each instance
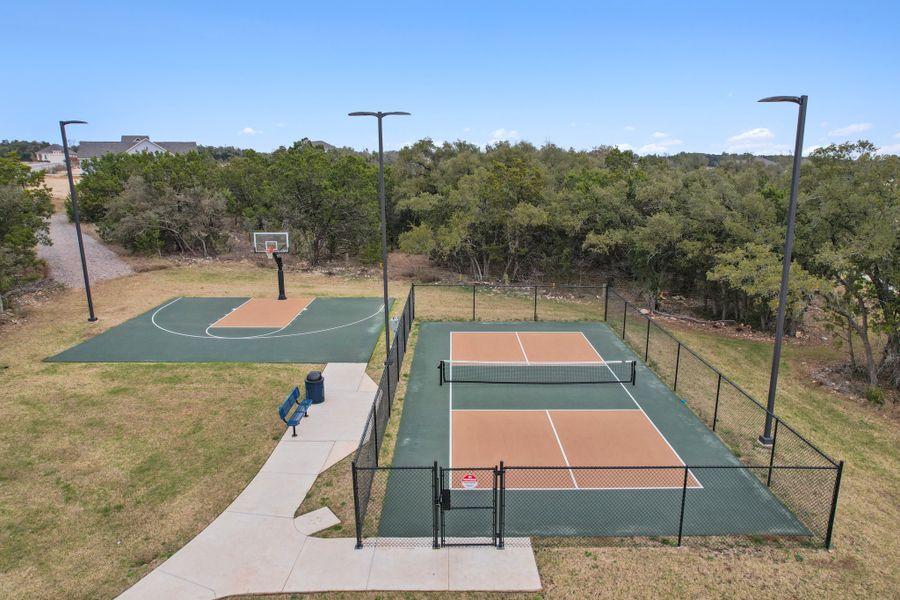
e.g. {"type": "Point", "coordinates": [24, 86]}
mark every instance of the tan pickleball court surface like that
{"type": "Point", "coordinates": [522, 347]}
{"type": "Point", "coordinates": [263, 313]}
{"type": "Point", "coordinates": [573, 438]}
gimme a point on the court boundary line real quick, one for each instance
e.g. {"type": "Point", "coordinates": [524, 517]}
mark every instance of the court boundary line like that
{"type": "Point", "coordinates": [231, 311]}
{"type": "Point", "coordinates": [585, 489]}
{"type": "Point", "coordinates": [271, 335]}
{"type": "Point", "coordinates": [561, 449]}
{"type": "Point", "coordinates": [646, 416]}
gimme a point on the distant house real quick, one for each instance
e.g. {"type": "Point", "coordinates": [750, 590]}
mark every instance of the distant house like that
{"type": "Point", "coordinates": [52, 154]}
{"type": "Point", "coordinates": [133, 144]}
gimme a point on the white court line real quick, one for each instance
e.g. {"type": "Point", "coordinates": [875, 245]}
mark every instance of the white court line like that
{"type": "Point", "coordinates": [646, 416]}
{"type": "Point", "coordinates": [541, 363]}
{"type": "Point", "coordinates": [261, 335]}
{"type": "Point", "coordinates": [590, 489]}
{"type": "Point", "coordinates": [561, 449]}
{"type": "Point", "coordinates": [525, 354]}
{"type": "Point", "coordinates": [231, 311]}
{"type": "Point", "coordinates": [267, 336]}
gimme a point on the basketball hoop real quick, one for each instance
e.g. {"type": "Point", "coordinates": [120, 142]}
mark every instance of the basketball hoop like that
{"type": "Point", "coordinates": [270, 252]}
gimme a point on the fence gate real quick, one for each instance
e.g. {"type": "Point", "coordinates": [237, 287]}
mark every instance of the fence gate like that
{"type": "Point", "coordinates": [470, 504]}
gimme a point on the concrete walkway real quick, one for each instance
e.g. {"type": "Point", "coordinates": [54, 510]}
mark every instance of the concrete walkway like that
{"type": "Point", "coordinates": [65, 261]}
{"type": "Point", "coordinates": [257, 546]}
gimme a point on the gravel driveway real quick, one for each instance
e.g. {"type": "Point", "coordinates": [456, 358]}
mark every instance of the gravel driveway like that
{"type": "Point", "coordinates": [63, 259]}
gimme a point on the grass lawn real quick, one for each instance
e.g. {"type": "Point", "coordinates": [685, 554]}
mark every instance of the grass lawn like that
{"type": "Point", "coordinates": [107, 469]}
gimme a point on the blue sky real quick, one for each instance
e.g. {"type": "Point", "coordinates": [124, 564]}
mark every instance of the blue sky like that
{"type": "Point", "coordinates": [655, 76]}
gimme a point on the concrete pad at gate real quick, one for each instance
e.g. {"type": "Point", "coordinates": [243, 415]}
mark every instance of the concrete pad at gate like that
{"type": "Point", "coordinates": [489, 569]}
{"type": "Point", "coordinates": [273, 494]}
{"type": "Point", "coordinates": [239, 554]}
{"type": "Point", "coordinates": [162, 585]}
{"type": "Point", "coordinates": [414, 569]}
{"type": "Point", "coordinates": [301, 458]}
{"type": "Point", "coordinates": [326, 565]}
{"type": "Point", "coordinates": [315, 521]}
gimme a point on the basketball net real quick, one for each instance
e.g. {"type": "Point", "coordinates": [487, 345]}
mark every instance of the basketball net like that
{"type": "Point", "coordinates": [270, 252]}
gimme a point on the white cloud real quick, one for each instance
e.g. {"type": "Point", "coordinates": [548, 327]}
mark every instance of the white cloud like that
{"type": "Point", "coordinates": [630, 128]}
{"type": "Point", "coordinates": [755, 141]}
{"type": "Point", "coordinates": [624, 147]}
{"type": "Point", "coordinates": [890, 149]}
{"type": "Point", "coordinates": [249, 131]}
{"type": "Point", "coordinates": [850, 129]}
{"type": "Point", "coordinates": [659, 135]}
{"type": "Point", "coordinates": [652, 149]}
{"type": "Point", "coordinates": [663, 144]}
{"type": "Point", "coordinates": [809, 150]}
{"type": "Point", "coordinates": [757, 134]}
{"type": "Point", "coordinates": [897, 135]}
{"type": "Point", "coordinates": [503, 135]}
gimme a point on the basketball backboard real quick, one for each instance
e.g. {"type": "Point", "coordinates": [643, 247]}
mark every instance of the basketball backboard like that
{"type": "Point", "coordinates": [266, 242]}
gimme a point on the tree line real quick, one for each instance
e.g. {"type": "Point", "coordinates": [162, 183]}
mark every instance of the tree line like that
{"type": "Point", "coordinates": [711, 227]}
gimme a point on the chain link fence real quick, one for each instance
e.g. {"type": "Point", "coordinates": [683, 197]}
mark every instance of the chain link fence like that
{"type": "Point", "coordinates": [788, 488]}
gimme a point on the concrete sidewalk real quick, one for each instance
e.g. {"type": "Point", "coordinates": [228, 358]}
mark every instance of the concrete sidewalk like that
{"type": "Point", "coordinates": [257, 546]}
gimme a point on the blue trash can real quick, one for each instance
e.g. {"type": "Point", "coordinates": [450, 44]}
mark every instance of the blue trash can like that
{"type": "Point", "coordinates": [315, 387]}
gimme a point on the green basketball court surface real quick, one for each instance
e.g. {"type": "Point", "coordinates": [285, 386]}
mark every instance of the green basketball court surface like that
{"type": "Point", "coordinates": [727, 501]}
{"type": "Point", "coordinates": [183, 330]}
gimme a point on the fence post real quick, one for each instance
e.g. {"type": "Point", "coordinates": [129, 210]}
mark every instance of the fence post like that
{"type": "Point", "coordinates": [412, 305]}
{"type": "Point", "coordinates": [683, 499]}
{"type": "Point", "coordinates": [473, 301]}
{"type": "Point", "coordinates": [387, 379]}
{"type": "Point", "coordinates": [535, 302]}
{"type": "Point", "coordinates": [677, 364]}
{"type": "Point", "coordinates": [502, 517]}
{"type": "Point", "coordinates": [605, 301]}
{"type": "Point", "coordinates": [647, 343]}
{"type": "Point", "coordinates": [624, 319]}
{"type": "Point", "coordinates": [834, 500]}
{"type": "Point", "coordinates": [716, 408]}
{"type": "Point", "coordinates": [772, 453]}
{"type": "Point", "coordinates": [356, 507]}
{"type": "Point", "coordinates": [436, 498]}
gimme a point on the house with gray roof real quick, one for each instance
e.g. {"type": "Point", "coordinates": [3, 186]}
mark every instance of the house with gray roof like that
{"type": "Point", "coordinates": [52, 154]}
{"type": "Point", "coordinates": [133, 144]}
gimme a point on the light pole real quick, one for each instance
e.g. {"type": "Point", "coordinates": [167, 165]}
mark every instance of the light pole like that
{"type": "Point", "coordinates": [76, 216]}
{"type": "Point", "coordinates": [384, 266]}
{"type": "Point", "coordinates": [766, 438]}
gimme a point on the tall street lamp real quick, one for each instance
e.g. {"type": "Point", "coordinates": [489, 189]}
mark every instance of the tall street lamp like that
{"type": "Point", "coordinates": [384, 265]}
{"type": "Point", "coordinates": [766, 438]}
{"type": "Point", "coordinates": [77, 216]}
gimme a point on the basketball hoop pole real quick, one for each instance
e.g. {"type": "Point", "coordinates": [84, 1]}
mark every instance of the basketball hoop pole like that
{"type": "Point", "coordinates": [281, 295]}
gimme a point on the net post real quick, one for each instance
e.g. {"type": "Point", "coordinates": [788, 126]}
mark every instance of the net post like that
{"type": "Point", "coordinates": [716, 408]}
{"type": "Point", "coordinates": [834, 501]}
{"type": "Point", "coordinates": [647, 342]}
{"type": "Point", "coordinates": [772, 453]}
{"type": "Point", "coordinates": [356, 520]}
{"type": "Point", "coordinates": [677, 364]}
{"type": "Point", "coordinates": [473, 301]}
{"type": "Point", "coordinates": [535, 302]}
{"type": "Point", "coordinates": [624, 319]}
{"type": "Point", "coordinates": [683, 500]}
{"type": "Point", "coordinates": [435, 505]}
{"type": "Point", "coordinates": [633, 372]}
{"type": "Point", "coordinates": [605, 302]}
{"type": "Point", "coordinates": [441, 372]}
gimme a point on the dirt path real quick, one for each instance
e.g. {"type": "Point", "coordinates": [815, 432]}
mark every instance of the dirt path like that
{"type": "Point", "coordinates": [63, 258]}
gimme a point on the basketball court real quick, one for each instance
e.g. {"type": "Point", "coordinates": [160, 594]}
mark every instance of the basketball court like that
{"type": "Point", "coordinates": [258, 330]}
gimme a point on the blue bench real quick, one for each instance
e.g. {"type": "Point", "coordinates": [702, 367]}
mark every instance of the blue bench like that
{"type": "Point", "coordinates": [284, 411]}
